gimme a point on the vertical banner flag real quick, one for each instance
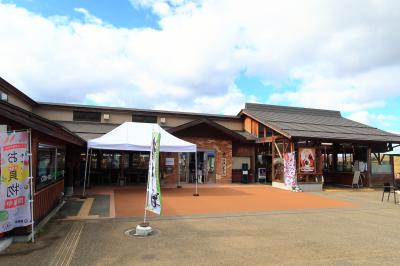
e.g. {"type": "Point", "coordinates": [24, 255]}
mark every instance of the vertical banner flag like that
{"type": "Point", "coordinates": [289, 171]}
{"type": "Point", "coordinates": [153, 182]}
{"type": "Point", "coordinates": [15, 210]}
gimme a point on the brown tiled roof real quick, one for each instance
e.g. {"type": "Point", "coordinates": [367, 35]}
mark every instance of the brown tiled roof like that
{"type": "Point", "coordinates": [316, 123]}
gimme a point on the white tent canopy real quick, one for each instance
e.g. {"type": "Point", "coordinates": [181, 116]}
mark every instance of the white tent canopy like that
{"type": "Point", "coordinates": [131, 136]}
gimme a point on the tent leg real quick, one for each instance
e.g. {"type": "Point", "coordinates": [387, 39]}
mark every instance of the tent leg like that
{"type": "Point", "coordinates": [90, 166]}
{"type": "Point", "coordinates": [84, 180]}
{"type": "Point", "coordinates": [179, 175]}
{"type": "Point", "coordinates": [195, 173]}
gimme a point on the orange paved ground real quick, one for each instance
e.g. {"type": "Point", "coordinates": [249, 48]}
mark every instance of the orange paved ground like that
{"type": "Point", "coordinates": [130, 201]}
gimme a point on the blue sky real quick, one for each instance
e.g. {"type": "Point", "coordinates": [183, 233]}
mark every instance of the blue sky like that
{"type": "Point", "coordinates": [120, 13]}
{"type": "Point", "coordinates": [207, 56]}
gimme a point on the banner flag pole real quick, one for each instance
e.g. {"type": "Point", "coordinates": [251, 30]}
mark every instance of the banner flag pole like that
{"type": "Point", "coordinates": [153, 191]}
{"type": "Point", "coordinates": [31, 184]}
{"type": "Point", "coordinates": [147, 191]}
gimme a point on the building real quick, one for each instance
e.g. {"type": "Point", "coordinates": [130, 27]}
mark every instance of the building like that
{"type": "Point", "coordinates": [325, 143]}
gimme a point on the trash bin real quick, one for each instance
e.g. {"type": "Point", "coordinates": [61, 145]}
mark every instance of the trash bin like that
{"type": "Point", "coordinates": [245, 173]}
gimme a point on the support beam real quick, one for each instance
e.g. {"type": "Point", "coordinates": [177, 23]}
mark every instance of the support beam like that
{"type": "Point", "coordinates": [270, 139]}
{"type": "Point", "coordinates": [272, 161]}
{"type": "Point", "coordinates": [277, 148]}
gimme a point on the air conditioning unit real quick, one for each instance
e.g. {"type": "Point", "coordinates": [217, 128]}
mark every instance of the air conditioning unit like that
{"type": "Point", "coordinates": [106, 116]}
{"type": "Point", "coordinates": [163, 120]}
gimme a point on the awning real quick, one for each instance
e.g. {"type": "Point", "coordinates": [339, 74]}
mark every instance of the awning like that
{"type": "Point", "coordinates": [132, 136]}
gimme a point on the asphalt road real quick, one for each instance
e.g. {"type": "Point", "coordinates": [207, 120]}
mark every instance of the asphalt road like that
{"type": "Point", "coordinates": [364, 235]}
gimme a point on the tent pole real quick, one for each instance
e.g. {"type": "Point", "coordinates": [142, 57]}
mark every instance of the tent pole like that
{"type": "Point", "coordinates": [84, 179]}
{"type": "Point", "coordinates": [195, 173]}
{"type": "Point", "coordinates": [179, 175]}
{"type": "Point", "coordinates": [90, 166]}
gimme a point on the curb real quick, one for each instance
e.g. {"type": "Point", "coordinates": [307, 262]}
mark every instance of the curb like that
{"type": "Point", "coordinates": [39, 226]}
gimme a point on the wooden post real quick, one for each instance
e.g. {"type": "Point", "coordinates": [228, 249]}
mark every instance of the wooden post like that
{"type": "Point", "coordinates": [369, 170]}
{"type": "Point", "coordinates": [273, 158]}
{"type": "Point", "coordinates": [253, 163]}
{"type": "Point", "coordinates": [392, 163]}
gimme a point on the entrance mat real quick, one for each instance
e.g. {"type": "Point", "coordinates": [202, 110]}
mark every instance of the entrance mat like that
{"type": "Point", "coordinates": [101, 206]}
{"type": "Point", "coordinates": [70, 208]}
{"type": "Point", "coordinates": [180, 202]}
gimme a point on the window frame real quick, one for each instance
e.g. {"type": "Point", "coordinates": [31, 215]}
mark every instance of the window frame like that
{"type": "Point", "coordinates": [85, 119]}
{"type": "Point", "coordinates": [144, 118]}
{"type": "Point", "coordinates": [5, 95]}
{"type": "Point", "coordinates": [57, 149]}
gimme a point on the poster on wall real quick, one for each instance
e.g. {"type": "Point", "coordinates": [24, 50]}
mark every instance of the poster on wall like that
{"type": "Point", "coordinates": [307, 160]}
{"type": "Point", "coordinates": [15, 209]}
{"type": "Point", "coordinates": [289, 169]}
{"type": "Point", "coordinates": [169, 161]}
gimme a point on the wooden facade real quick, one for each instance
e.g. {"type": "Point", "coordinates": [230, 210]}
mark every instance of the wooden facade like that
{"type": "Point", "coordinates": [280, 144]}
{"type": "Point", "coordinates": [43, 132]}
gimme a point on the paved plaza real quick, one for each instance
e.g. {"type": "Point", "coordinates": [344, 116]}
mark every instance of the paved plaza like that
{"type": "Point", "coordinates": [347, 227]}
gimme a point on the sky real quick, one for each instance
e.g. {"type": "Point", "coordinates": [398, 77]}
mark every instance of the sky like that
{"type": "Point", "coordinates": [207, 56]}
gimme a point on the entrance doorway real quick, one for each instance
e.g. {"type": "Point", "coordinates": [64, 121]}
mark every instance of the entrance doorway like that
{"type": "Point", "coordinates": [205, 167]}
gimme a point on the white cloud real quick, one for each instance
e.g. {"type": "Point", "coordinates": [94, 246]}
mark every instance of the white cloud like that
{"type": "Point", "coordinates": [379, 120]}
{"type": "Point", "coordinates": [342, 59]}
{"type": "Point", "coordinates": [89, 18]}
{"type": "Point", "coordinates": [164, 8]}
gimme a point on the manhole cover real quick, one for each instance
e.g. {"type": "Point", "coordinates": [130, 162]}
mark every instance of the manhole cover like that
{"type": "Point", "coordinates": [131, 233]}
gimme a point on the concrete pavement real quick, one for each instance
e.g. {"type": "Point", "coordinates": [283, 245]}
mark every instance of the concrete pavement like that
{"type": "Point", "coordinates": [352, 236]}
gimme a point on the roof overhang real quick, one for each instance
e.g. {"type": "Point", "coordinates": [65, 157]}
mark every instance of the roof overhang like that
{"type": "Point", "coordinates": [226, 131]}
{"type": "Point", "coordinates": [38, 123]}
{"type": "Point", "coordinates": [273, 127]}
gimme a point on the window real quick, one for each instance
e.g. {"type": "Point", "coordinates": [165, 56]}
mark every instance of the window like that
{"type": "Point", "coordinates": [261, 129]}
{"type": "Point", "coordinates": [144, 118]}
{"type": "Point", "coordinates": [51, 164]}
{"type": "Point", "coordinates": [87, 116]}
{"type": "Point", "coordinates": [328, 162]}
{"type": "Point", "coordinates": [268, 132]}
{"type": "Point", "coordinates": [344, 162]}
{"type": "Point", "coordinates": [380, 164]}
{"type": "Point", "coordinates": [3, 96]}
{"type": "Point", "coordinates": [93, 162]}
{"type": "Point", "coordinates": [125, 160]}
{"type": "Point", "coordinates": [106, 160]}
{"type": "Point", "coordinates": [140, 160]}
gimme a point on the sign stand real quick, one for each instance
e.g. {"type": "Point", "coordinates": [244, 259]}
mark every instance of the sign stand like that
{"type": "Point", "coordinates": [153, 186]}
{"type": "Point", "coordinates": [31, 184]}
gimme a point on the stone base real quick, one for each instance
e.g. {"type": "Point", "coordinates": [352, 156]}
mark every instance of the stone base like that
{"type": "Point", "coordinates": [280, 185]}
{"type": "Point", "coordinates": [306, 187]}
{"type": "Point", "coordinates": [143, 230]}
